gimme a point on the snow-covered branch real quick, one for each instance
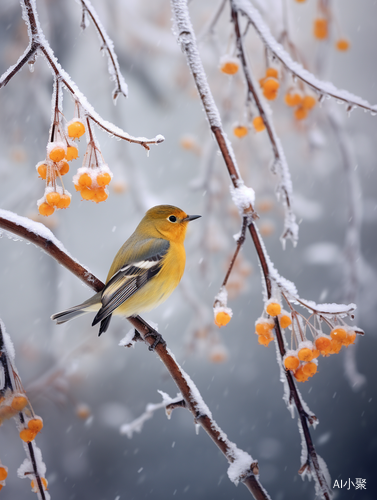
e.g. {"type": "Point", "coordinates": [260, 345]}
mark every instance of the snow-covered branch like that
{"type": "Point", "coordinates": [242, 467]}
{"type": "Point", "coordinates": [39, 44]}
{"type": "Point", "coordinates": [107, 44]}
{"type": "Point", "coordinates": [279, 165]}
{"type": "Point", "coordinates": [325, 89]}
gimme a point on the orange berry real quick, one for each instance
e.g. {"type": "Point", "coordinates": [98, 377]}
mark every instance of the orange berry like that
{"type": "Point", "coordinates": [35, 425]}
{"type": "Point", "coordinates": [222, 318]}
{"type": "Point", "coordinates": [1, 487]}
{"type": "Point", "coordinates": [27, 435]}
{"type": "Point", "coordinates": [64, 202]}
{"type": "Point", "coordinates": [335, 347]}
{"type": "Point", "coordinates": [309, 369]}
{"type": "Point", "coordinates": [100, 195]}
{"type": "Point", "coordinates": [301, 113]}
{"type": "Point", "coordinates": [300, 375]}
{"type": "Point", "coordinates": [63, 168]}
{"type": "Point", "coordinates": [19, 402]}
{"type": "Point", "coordinates": [273, 309]}
{"type": "Point", "coordinates": [3, 473]}
{"type": "Point", "coordinates": [309, 102]}
{"type": "Point", "coordinates": [263, 328]}
{"type": "Point", "coordinates": [350, 339]}
{"type": "Point", "coordinates": [265, 340]}
{"type": "Point", "coordinates": [72, 153]}
{"type": "Point", "coordinates": [53, 198]}
{"type": "Point", "coordinates": [240, 131]}
{"type": "Point", "coordinates": [300, 1]}
{"type": "Point", "coordinates": [42, 171]}
{"type": "Point", "coordinates": [285, 321]}
{"type": "Point", "coordinates": [316, 353]}
{"type": "Point", "coordinates": [292, 99]}
{"type": "Point", "coordinates": [342, 44]}
{"type": "Point", "coordinates": [229, 66]}
{"type": "Point", "coordinates": [338, 334]}
{"type": "Point", "coordinates": [57, 154]}
{"type": "Point", "coordinates": [323, 344]}
{"type": "Point", "coordinates": [85, 180]}
{"type": "Point", "coordinates": [76, 129]}
{"type": "Point", "coordinates": [86, 193]}
{"type": "Point", "coordinates": [103, 179]}
{"type": "Point", "coordinates": [320, 29]}
{"type": "Point", "coordinates": [291, 363]}
{"type": "Point", "coordinates": [305, 354]}
{"type": "Point", "coordinates": [270, 88]}
{"type": "Point", "coordinates": [259, 124]}
{"type": "Point", "coordinates": [272, 72]}
{"type": "Point", "coordinates": [46, 209]}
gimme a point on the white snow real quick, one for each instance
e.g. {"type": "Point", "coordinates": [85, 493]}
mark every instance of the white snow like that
{"type": "Point", "coordinates": [127, 340]}
{"type": "Point", "coordinates": [243, 197]}
{"type": "Point", "coordinates": [240, 466]}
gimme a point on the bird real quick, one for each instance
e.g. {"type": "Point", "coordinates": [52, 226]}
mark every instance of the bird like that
{"type": "Point", "coordinates": [144, 272]}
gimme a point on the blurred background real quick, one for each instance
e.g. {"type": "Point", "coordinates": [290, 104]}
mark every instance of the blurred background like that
{"type": "Point", "coordinates": [85, 387]}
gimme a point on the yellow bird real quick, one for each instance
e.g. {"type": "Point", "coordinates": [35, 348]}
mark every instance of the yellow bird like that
{"type": "Point", "coordinates": [145, 271]}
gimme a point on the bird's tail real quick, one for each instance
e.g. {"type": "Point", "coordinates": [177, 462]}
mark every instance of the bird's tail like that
{"type": "Point", "coordinates": [92, 304]}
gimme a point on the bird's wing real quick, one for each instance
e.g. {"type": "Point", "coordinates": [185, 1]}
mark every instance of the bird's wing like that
{"type": "Point", "coordinates": [132, 276]}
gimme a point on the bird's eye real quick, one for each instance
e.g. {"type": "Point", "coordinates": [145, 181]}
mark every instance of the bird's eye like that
{"type": "Point", "coordinates": [172, 218]}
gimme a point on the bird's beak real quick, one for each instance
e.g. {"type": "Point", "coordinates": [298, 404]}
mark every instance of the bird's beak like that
{"type": "Point", "coordinates": [191, 217]}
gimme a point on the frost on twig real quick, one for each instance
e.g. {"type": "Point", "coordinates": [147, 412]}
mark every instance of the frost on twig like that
{"type": "Point", "coordinates": [15, 403]}
{"type": "Point", "coordinates": [186, 38]}
{"type": "Point", "coordinates": [279, 165]}
{"type": "Point", "coordinates": [137, 424]}
{"type": "Point", "coordinates": [38, 44]}
{"type": "Point", "coordinates": [107, 45]}
{"type": "Point", "coordinates": [326, 89]}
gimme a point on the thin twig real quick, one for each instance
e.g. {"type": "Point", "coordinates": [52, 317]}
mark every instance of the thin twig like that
{"type": "Point", "coordinates": [121, 87]}
{"type": "Point", "coordinates": [44, 239]}
{"type": "Point", "coordinates": [280, 164]}
{"type": "Point", "coordinates": [35, 46]}
{"type": "Point", "coordinates": [323, 88]}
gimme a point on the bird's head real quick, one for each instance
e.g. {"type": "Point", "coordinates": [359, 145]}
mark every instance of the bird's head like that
{"type": "Point", "coordinates": [169, 221]}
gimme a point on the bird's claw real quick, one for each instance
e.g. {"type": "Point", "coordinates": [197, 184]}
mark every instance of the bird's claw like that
{"type": "Point", "coordinates": [158, 340]}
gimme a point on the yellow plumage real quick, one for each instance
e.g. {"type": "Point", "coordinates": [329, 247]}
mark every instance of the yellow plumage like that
{"type": "Point", "coordinates": [145, 271]}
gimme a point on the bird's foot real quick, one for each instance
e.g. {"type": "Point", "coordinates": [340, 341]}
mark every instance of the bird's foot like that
{"type": "Point", "coordinates": [158, 339]}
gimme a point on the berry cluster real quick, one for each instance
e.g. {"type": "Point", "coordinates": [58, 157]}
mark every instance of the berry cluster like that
{"type": "Point", "coordinates": [270, 84]}
{"type": "Point", "coordinates": [91, 180]}
{"type": "Point", "coordinates": [302, 103]}
{"type": "Point", "coordinates": [302, 361]}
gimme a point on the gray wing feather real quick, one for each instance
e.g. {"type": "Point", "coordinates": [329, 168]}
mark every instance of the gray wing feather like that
{"type": "Point", "coordinates": [132, 276]}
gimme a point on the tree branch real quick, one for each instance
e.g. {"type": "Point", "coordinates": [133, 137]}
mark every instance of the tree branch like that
{"type": "Point", "coordinates": [38, 234]}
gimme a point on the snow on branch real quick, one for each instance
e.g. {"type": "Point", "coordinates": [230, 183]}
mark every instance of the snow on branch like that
{"type": "Point", "coordinates": [39, 44]}
{"type": "Point", "coordinates": [186, 37]}
{"type": "Point", "coordinates": [191, 395]}
{"type": "Point", "coordinates": [326, 89]}
{"type": "Point", "coordinates": [279, 165]}
{"type": "Point", "coordinates": [107, 44]}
